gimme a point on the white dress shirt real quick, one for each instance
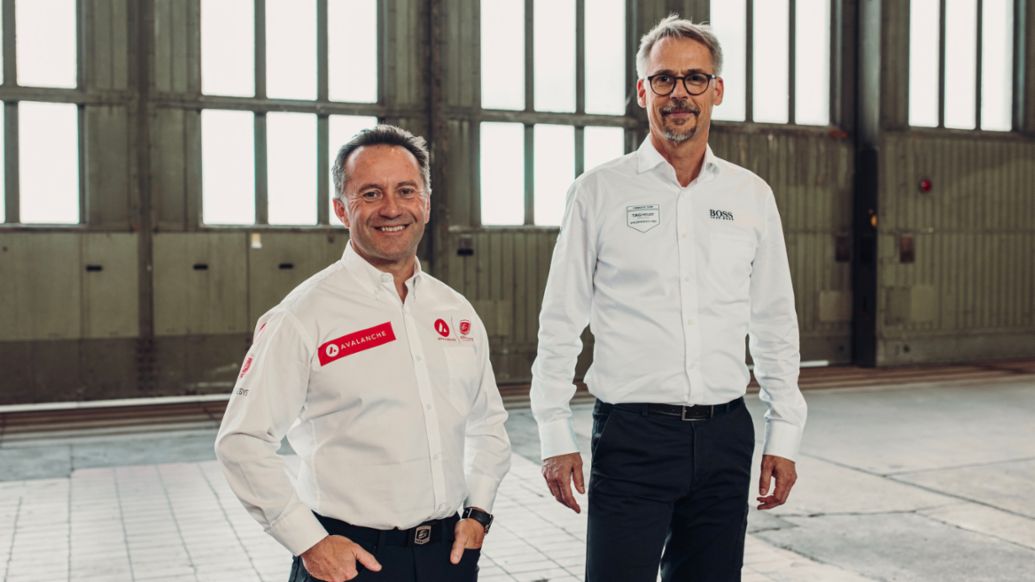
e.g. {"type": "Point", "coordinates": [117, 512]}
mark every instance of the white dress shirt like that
{"type": "Point", "coordinates": [670, 281]}
{"type": "Point", "coordinates": [391, 406]}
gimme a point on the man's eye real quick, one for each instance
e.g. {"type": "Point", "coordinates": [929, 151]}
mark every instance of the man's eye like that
{"type": "Point", "coordinates": [698, 78]}
{"type": "Point", "coordinates": [370, 195]}
{"type": "Point", "coordinates": [664, 78]}
{"type": "Point", "coordinates": [407, 192]}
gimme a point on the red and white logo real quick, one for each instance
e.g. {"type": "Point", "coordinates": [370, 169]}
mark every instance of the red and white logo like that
{"type": "Point", "coordinates": [247, 366]}
{"type": "Point", "coordinates": [465, 327]}
{"type": "Point", "coordinates": [442, 327]}
{"type": "Point", "coordinates": [358, 341]}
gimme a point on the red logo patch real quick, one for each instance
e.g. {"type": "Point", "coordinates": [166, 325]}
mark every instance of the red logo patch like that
{"type": "Point", "coordinates": [247, 366]}
{"type": "Point", "coordinates": [352, 343]}
{"type": "Point", "coordinates": [442, 327]}
{"type": "Point", "coordinates": [465, 327]}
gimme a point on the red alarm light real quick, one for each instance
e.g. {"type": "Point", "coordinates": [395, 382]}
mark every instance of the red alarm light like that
{"type": "Point", "coordinates": [926, 185]}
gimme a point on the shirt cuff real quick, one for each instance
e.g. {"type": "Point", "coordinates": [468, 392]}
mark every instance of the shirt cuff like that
{"type": "Point", "coordinates": [557, 438]}
{"type": "Point", "coordinates": [782, 439]}
{"type": "Point", "coordinates": [481, 492]}
{"type": "Point", "coordinates": [297, 530]}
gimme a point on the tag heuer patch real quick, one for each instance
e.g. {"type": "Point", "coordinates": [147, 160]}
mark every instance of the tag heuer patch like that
{"type": "Point", "coordinates": [643, 217]}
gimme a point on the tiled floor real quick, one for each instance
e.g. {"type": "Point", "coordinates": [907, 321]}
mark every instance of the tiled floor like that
{"type": "Point", "coordinates": [919, 482]}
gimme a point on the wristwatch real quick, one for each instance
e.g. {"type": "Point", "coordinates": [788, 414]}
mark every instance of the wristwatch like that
{"type": "Point", "coordinates": [482, 517]}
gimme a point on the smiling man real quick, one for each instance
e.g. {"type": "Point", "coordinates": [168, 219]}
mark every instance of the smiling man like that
{"type": "Point", "coordinates": [672, 256]}
{"type": "Point", "coordinates": [379, 376]}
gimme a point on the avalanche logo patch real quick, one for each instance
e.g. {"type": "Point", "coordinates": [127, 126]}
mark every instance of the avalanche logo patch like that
{"type": "Point", "coordinates": [355, 342]}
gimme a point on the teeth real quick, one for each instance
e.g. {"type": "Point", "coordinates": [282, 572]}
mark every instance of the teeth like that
{"type": "Point", "coordinates": [392, 228]}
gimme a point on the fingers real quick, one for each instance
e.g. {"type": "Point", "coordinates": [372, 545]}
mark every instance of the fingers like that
{"type": "Point", "coordinates": [458, 546]}
{"type": "Point", "coordinates": [785, 474]}
{"type": "Point", "coordinates": [559, 472]}
{"type": "Point", "coordinates": [366, 558]}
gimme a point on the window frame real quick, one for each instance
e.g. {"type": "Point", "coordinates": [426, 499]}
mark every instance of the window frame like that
{"type": "Point", "coordinates": [529, 117]}
{"type": "Point", "coordinates": [322, 107]}
{"type": "Point", "coordinates": [11, 94]}
{"type": "Point", "coordinates": [1017, 71]}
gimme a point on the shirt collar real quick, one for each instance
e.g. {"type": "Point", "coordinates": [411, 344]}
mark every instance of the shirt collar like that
{"type": "Point", "coordinates": [649, 158]}
{"type": "Point", "coordinates": [375, 278]}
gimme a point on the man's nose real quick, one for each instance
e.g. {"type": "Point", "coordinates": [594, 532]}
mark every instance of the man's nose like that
{"type": "Point", "coordinates": [391, 206]}
{"type": "Point", "coordinates": [680, 92]}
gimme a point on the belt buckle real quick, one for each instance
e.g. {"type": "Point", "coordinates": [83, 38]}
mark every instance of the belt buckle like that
{"type": "Point", "coordinates": [422, 535]}
{"type": "Point", "coordinates": [685, 418]}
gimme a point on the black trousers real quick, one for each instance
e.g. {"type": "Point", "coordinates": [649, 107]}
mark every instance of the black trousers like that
{"type": "Point", "coordinates": [670, 492]}
{"type": "Point", "coordinates": [401, 563]}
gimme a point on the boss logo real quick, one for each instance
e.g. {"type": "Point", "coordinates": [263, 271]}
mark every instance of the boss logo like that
{"type": "Point", "coordinates": [720, 214]}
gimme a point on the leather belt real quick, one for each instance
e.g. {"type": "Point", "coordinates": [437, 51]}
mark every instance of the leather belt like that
{"type": "Point", "coordinates": [695, 413]}
{"type": "Point", "coordinates": [429, 532]}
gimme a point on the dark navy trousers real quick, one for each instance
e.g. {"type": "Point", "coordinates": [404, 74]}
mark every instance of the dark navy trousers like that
{"type": "Point", "coordinates": [670, 493]}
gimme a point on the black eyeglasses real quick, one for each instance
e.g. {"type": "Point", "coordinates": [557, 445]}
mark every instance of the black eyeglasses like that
{"type": "Point", "coordinates": [695, 83]}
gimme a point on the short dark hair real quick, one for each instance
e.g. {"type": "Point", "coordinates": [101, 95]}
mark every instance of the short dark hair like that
{"type": "Point", "coordinates": [389, 135]}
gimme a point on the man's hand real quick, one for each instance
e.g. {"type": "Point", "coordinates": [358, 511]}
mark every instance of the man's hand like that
{"type": "Point", "coordinates": [334, 558]}
{"type": "Point", "coordinates": [559, 472]}
{"type": "Point", "coordinates": [783, 471]}
{"type": "Point", "coordinates": [469, 536]}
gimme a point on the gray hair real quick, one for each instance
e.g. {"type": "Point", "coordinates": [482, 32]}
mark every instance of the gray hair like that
{"type": "Point", "coordinates": [674, 27]}
{"type": "Point", "coordinates": [389, 135]}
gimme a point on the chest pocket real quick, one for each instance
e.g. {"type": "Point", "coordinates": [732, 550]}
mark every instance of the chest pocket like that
{"type": "Point", "coordinates": [729, 259]}
{"type": "Point", "coordinates": [464, 376]}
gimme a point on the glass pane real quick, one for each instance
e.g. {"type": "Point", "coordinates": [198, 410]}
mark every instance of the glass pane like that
{"type": "Point", "coordinates": [729, 21]}
{"type": "Point", "coordinates": [812, 62]}
{"type": "Point", "coordinates": [961, 64]}
{"type": "Point", "coordinates": [48, 163]}
{"type": "Point", "coordinates": [997, 65]}
{"type": "Point", "coordinates": [340, 129]}
{"type": "Point", "coordinates": [46, 43]}
{"type": "Point", "coordinates": [554, 55]}
{"type": "Point", "coordinates": [228, 47]}
{"type": "Point", "coordinates": [923, 62]}
{"type": "Point", "coordinates": [503, 54]}
{"type": "Point", "coordinates": [227, 167]}
{"type": "Point", "coordinates": [605, 57]}
{"type": "Point", "coordinates": [291, 49]}
{"type": "Point", "coordinates": [771, 74]}
{"type": "Point", "coordinates": [602, 144]}
{"type": "Point", "coordinates": [502, 155]}
{"type": "Point", "coordinates": [554, 171]}
{"type": "Point", "coordinates": [291, 168]}
{"type": "Point", "coordinates": [352, 50]}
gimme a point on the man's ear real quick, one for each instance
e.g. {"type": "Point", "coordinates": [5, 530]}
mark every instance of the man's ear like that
{"type": "Point", "coordinates": [641, 94]}
{"type": "Point", "coordinates": [340, 212]}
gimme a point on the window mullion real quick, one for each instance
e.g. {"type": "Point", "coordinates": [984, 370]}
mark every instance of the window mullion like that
{"type": "Point", "coordinates": [580, 150]}
{"type": "Point", "coordinates": [260, 49]}
{"type": "Point", "coordinates": [580, 56]}
{"type": "Point", "coordinates": [262, 211]}
{"type": "Point", "coordinates": [1019, 72]}
{"type": "Point", "coordinates": [322, 79]}
{"type": "Point", "coordinates": [529, 107]}
{"type": "Point", "coordinates": [10, 45]}
{"type": "Point", "coordinates": [323, 211]}
{"type": "Point", "coordinates": [11, 184]}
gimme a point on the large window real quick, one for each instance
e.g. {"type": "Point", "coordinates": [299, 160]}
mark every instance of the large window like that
{"type": "Point", "coordinates": [961, 64]}
{"type": "Point", "coordinates": [776, 60]}
{"type": "Point", "coordinates": [553, 99]}
{"type": "Point", "coordinates": [39, 129]}
{"type": "Point", "coordinates": [283, 81]}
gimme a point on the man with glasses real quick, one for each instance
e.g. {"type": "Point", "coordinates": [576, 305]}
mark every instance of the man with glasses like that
{"type": "Point", "coordinates": [379, 375]}
{"type": "Point", "coordinates": [672, 256]}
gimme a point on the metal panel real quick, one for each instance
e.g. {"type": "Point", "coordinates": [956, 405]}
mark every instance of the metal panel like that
{"type": "Point", "coordinates": [974, 238]}
{"type": "Point", "coordinates": [106, 43]}
{"type": "Point", "coordinates": [172, 45]}
{"type": "Point", "coordinates": [175, 167]}
{"type": "Point", "coordinates": [107, 160]}
{"type": "Point", "coordinates": [110, 286]}
{"type": "Point", "coordinates": [894, 64]}
{"type": "Point", "coordinates": [40, 286]}
{"type": "Point", "coordinates": [201, 283]}
{"type": "Point", "coordinates": [283, 261]}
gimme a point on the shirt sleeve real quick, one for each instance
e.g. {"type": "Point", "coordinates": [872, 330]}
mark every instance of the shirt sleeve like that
{"type": "Point", "coordinates": [773, 339]}
{"type": "Point", "coordinates": [487, 447]}
{"type": "Point", "coordinates": [266, 401]}
{"type": "Point", "coordinates": [564, 316]}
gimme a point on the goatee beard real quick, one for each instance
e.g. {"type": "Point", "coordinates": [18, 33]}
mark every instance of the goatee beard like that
{"type": "Point", "coordinates": [679, 137]}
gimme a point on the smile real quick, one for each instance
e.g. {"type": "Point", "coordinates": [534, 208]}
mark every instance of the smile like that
{"type": "Point", "coordinates": [397, 228]}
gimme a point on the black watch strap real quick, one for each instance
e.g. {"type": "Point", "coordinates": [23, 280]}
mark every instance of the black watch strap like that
{"type": "Point", "coordinates": [482, 517]}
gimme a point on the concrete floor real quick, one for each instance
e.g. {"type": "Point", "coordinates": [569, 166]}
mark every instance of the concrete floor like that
{"type": "Point", "coordinates": [911, 482]}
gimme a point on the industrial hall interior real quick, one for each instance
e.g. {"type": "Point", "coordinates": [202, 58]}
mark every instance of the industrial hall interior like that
{"type": "Point", "coordinates": [277, 275]}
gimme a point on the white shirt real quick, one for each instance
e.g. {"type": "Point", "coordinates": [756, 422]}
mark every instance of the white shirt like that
{"type": "Point", "coordinates": [670, 280]}
{"type": "Point", "coordinates": [391, 406]}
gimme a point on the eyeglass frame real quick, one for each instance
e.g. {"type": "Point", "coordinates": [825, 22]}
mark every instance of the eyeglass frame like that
{"type": "Point", "coordinates": [683, 78]}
